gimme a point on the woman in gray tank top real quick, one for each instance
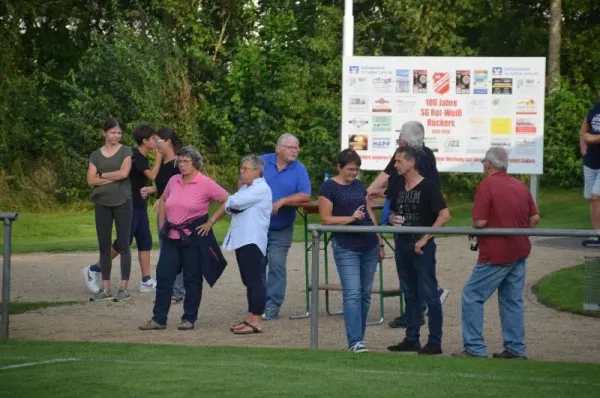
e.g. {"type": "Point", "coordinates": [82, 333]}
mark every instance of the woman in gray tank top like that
{"type": "Point", "coordinates": [108, 175]}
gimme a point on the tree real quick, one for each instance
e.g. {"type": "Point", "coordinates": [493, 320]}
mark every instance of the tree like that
{"type": "Point", "coordinates": [553, 78]}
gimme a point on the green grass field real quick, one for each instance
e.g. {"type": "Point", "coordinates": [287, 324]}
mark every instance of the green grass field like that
{"type": "Point", "coordinates": [62, 369]}
{"type": "Point", "coordinates": [75, 230]}
{"type": "Point", "coordinates": [563, 290]}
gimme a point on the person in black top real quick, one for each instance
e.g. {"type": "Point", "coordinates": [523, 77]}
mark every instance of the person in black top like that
{"type": "Point", "coordinates": [589, 144]}
{"type": "Point", "coordinates": [417, 202]}
{"type": "Point", "coordinates": [411, 134]}
{"type": "Point", "coordinates": [168, 144]}
{"type": "Point", "coordinates": [140, 226]}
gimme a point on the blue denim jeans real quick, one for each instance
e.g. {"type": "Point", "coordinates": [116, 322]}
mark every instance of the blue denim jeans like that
{"type": "Point", "coordinates": [171, 262]}
{"type": "Point", "coordinates": [178, 289]}
{"type": "Point", "coordinates": [486, 278]}
{"type": "Point", "coordinates": [420, 286]}
{"type": "Point", "coordinates": [356, 270]}
{"type": "Point", "coordinates": [278, 246]}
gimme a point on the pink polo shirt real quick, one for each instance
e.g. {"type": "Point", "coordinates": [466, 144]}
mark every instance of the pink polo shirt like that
{"type": "Point", "coordinates": [185, 202]}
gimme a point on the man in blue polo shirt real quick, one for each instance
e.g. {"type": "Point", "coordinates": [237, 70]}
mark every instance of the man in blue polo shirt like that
{"type": "Point", "coordinates": [289, 183]}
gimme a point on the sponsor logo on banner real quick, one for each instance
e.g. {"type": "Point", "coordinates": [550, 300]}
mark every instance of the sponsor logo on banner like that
{"type": "Point", "coordinates": [525, 147]}
{"type": "Point", "coordinates": [359, 123]}
{"type": "Point", "coordinates": [432, 143]}
{"type": "Point", "coordinates": [452, 145]}
{"type": "Point", "coordinates": [503, 86]}
{"type": "Point", "coordinates": [381, 143]}
{"type": "Point", "coordinates": [463, 82]}
{"type": "Point", "coordinates": [382, 105]}
{"type": "Point", "coordinates": [502, 143]}
{"type": "Point", "coordinates": [496, 70]}
{"type": "Point", "coordinates": [382, 123]}
{"type": "Point", "coordinates": [501, 125]}
{"type": "Point", "coordinates": [402, 80]}
{"type": "Point", "coordinates": [358, 103]}
{"type": "Point", "coordinates": [526, 107]}
{"type": "Point", "coordinates": [419, 81]}
{"type": "Point", "coordinates": [354, 70]}
{"type": "Point", "coordinates": [526, 126]}
{"type": "Point", "coordinates": [382, 84]}
{"type": "Point", "coordinates": [477, 144]}
{"type": "Point", "coordinates": [441, 82]}
{"type": "Point", "coordinates": [480, 82]}
{"type": "Point", "coordinates": [405, 105]}
{"type": "Point", "coordinates": [358, 142]}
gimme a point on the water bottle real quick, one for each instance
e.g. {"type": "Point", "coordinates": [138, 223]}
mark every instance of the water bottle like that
{"type": "Point", "coordinates": [325, 176]}
{"type": "Point", "coordinates": [474, 242]}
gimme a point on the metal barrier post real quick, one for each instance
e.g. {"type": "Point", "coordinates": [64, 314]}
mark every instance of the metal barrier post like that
{"type": "Point", "coordinates": [317, 229]}
{"type": "Point", "coordinates": [314, 305]}
{"type": "Point", "coordinates": [7, 218]}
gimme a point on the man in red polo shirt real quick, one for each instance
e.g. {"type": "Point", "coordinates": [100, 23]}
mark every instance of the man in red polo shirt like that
{"type": "Point", "coordinates": [501, 201]}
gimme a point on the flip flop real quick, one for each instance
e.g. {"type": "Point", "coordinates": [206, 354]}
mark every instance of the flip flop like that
{"type": "Point", "coordinates": [253, 330]}
{"type": "Point", "coordinates": [235, 325]}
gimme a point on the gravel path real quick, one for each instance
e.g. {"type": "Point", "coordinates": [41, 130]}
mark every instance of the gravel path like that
{"type": "Point", "coordinates": [551, 335]}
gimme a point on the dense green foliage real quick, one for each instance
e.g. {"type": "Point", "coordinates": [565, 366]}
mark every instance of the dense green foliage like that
{"type": "Point", "coordinates": [232, 75]}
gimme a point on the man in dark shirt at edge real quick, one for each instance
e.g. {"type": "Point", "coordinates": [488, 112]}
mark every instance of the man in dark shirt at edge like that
{"type": "Point", "coordinates": [140, 226]}
{"type": "Point", "coordinates": [589, 144]}
{"type": "Point", "coordinates": [411, 134]}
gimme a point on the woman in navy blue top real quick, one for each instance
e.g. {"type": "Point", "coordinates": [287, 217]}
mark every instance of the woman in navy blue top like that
{"type": "Point", "coordinates": [343, 201]}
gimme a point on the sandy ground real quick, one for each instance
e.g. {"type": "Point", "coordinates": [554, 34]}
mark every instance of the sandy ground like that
{"type": "Point", "coordinates": [551, 335]}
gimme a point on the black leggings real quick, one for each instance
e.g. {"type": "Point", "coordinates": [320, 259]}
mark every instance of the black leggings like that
{"type": "Point", "coordinates": [104, 222]}
{"type": "Point", "coordinates": [250, 262]}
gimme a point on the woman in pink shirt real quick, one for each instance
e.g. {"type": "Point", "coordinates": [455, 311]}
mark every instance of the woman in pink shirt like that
{"type": "Point", "coordinates": [188, 241]}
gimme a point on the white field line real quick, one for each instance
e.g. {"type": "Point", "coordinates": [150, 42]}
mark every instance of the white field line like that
{"type": "Point", "coordinates": [30, 364]}
{"type": "Point", "coordinates": [475, 376]}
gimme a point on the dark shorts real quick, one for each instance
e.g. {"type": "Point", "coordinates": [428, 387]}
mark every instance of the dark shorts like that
{"type": "Point", "coordinates": [140, 230]}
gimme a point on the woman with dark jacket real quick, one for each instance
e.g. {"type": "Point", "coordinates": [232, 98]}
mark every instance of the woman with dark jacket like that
{"type": "Point", "coordinates": [188, 241]}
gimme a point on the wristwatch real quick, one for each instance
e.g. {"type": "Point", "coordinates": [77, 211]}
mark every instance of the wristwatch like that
{"type": "Point", "coordinates": [100, 174]}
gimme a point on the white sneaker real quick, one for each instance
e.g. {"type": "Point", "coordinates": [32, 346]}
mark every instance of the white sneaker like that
{"type": "Point", "coordinates": [92, 279]}
{"type": "Point", "coordinates": [149, 286]}
{"type": "Point", "coordinates": [359, 347]}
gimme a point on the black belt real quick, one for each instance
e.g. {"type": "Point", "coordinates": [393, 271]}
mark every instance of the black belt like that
{"type": "Point", "coordinates": [408, 238]}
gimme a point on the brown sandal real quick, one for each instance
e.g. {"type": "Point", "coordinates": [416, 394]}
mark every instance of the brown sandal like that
{"type": "Point", "coordinates": [236, 325]}
{"type": "Point", "coordinates": [253, 330]}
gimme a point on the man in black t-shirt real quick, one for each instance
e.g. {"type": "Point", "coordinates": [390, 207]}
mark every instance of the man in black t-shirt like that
{"type": "Point", "coordinates": [411, 134]}
{"type": "Point", "coordinates": [139, 176]}
{"type": "Point", "coordinates": [417, 202]}
{"type": "Point", "coordinates": [589, 143]}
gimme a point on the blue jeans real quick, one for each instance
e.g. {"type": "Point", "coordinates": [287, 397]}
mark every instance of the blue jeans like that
{"type": "Point", "coordinates": [178, 289]}
{"type": "Point", "coordinates": [356, 270]}
{"type": "Point", "coordinates": [171, 262]}
{"type": "Point", "coordinates": [278, 245]}
{"type": "Point", "coordinates": [486, 278]}
{"type": "Point", "coordinates": [418, 273]}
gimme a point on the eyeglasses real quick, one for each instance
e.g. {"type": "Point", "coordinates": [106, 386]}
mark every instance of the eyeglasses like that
{"type": "Point", "coordinates": [184, 161]}
{"type": "Point", "coordinates": [247, 168]}
{"type": "Point", "coordinates": [292, 148]}
{"type": "Point", "coordinates": [483, 161]}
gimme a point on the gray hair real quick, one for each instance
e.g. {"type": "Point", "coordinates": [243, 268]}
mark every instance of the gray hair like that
{"type": "Point", "coordinates": [194, 155]}
{"type": "Point", "coordinates": [256, 162]}
{"type": "Point", "coordinates": [285, 136]}
{"type": "Point", "coordinates": [413, 133]}
{"type": "Point", "coordinates": [498, 157]}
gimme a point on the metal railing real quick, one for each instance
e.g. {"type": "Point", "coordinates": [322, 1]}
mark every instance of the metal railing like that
{"type": "Point", "coordinates": [7, 219]}
{"type": "Point", "coordinates": [317, 229]}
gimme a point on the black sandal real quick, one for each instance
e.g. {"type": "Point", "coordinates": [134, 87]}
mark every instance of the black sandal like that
{"type": "Point", "coordinates": [254, 329]}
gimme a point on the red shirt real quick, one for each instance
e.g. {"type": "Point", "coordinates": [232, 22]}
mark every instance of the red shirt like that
{"type": "Point", "coordinates": [504, 202]}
